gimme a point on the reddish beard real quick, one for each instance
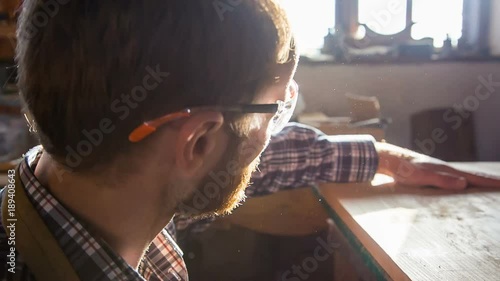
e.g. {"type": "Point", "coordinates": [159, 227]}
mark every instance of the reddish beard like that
{"type": "Point", "coordinates": [223, 189]}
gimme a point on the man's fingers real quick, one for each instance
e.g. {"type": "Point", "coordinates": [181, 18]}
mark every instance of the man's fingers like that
{"type": "Point", "coordinates": [473, 179]}
{"type": "Point", "coordinates": [447, 181]}
{"type": "Point", "coordinates": [482, 181]}
{"type": "Point", "coordinates": [423, 176]}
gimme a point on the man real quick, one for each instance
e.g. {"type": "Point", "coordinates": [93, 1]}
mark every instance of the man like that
{"type": "Point", "coordinates": [137, 105]}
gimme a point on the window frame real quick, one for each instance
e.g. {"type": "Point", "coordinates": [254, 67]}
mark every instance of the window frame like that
{"type": "Point", "coordinates": [473, 45]}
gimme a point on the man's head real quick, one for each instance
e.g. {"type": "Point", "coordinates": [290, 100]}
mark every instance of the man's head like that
{"type": "Point", "coordinates": [92, 71]}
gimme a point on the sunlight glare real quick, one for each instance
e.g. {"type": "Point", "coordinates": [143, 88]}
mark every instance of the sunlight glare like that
{"type": "Point", "coordinates": [310, 20]}
{"type": "Point", "coordinates": [436, 19]}
{"type": "Point", "coordinates": [381, 179]}
{"type": "Point", "coordinates": [383, 16]}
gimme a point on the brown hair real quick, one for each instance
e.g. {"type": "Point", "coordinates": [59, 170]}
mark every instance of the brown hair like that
{"type": "Point", "coordinates": [79, 60]}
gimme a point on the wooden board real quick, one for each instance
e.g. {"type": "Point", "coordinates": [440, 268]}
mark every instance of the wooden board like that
{"type": "Point", "coordinates": [420, 233]}
{"type": "Point", "coordinates": [285, 213]}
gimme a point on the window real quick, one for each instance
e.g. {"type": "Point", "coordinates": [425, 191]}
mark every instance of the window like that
{"type": "Point", "coordinates": [438, 20]}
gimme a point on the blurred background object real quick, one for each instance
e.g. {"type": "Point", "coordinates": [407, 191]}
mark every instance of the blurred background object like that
{"type": "Point", "coordinates": [10, 8]}
{"type": "Point", "coordinates": [444, 133]}
{"type": "Point", "coordinates": [15, 137]}
{"type": "Point", "coordinates": [365, 119]}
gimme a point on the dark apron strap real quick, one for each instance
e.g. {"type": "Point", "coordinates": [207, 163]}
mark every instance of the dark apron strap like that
{"type": "Point", "coordinates": [34, 241]}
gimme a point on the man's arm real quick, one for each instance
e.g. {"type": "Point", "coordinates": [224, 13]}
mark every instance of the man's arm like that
{"type": "Point", "coordinates": [301, 156]}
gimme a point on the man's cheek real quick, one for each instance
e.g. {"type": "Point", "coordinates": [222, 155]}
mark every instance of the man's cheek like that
{"type": "Point", "coordinates": [249, 150]}
{"type": "Point", "coordinates": [245, 151]}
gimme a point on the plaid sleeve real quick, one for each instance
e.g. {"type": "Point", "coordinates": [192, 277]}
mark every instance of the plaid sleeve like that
{"type": "Point", "coordinates": [301, 156]}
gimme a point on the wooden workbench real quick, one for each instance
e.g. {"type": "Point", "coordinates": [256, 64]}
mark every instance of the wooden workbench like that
{"type": "Point", "coordinates": [421, 233]}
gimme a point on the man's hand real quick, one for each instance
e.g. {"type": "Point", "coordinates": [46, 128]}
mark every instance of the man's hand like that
{"type": "Point", "coordinates": [411, 168]}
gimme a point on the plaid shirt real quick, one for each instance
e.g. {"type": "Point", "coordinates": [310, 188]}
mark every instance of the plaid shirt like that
{"type": "Point", "coordinates": [299, 156]}
{"type": "Point", "coordinates": [91, 257]}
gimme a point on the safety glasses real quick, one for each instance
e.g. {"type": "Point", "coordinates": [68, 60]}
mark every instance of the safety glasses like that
{"type": "Point", "coordinates": [282, 111]}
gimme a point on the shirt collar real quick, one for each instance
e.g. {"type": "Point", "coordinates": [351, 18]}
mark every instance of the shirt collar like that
{"type": "Point", "coordinates": [90, 256]}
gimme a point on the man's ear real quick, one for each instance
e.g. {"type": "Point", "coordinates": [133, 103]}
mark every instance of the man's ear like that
{"type": "Point", "coordinates": [197, 139]}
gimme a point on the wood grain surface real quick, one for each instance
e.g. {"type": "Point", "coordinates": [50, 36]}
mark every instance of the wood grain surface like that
{"type": "Point", "coordinates": [422, 233]}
